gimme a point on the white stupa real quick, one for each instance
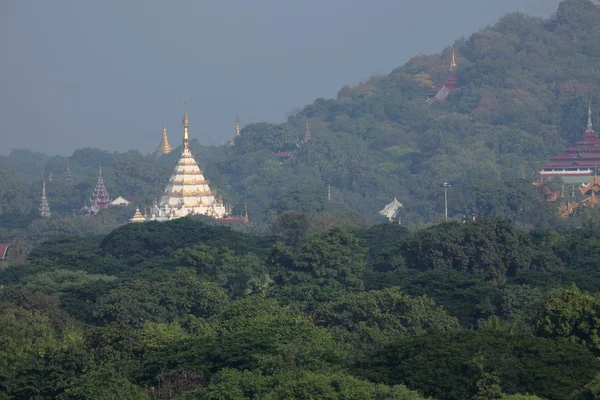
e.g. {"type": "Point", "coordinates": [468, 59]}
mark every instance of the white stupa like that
{"type": "Point", "coordinates": [187, 192]}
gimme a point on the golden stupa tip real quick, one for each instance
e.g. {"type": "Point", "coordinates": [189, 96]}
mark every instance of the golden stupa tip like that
{"type": "Point", "coordinates": [589, 110]}
{"type": "Point", "coordinates": [453, 62]}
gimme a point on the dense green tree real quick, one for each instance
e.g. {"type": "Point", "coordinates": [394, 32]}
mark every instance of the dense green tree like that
{"type": "Point", "coordinates": [442, 365]}
{"type": "Point", "coordinates": [372, 319]}
{"type": "Point", "coordinates": [255, 333]}
{"type": "Point", "coordinates": [572, 314]}
{"type": "Point", "coordinates": [162, 299]}
{"type": "Point", "coordinates": [232, 384]}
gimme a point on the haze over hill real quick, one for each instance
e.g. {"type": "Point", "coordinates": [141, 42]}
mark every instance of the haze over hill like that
{"type": "Point", "coordinates": [109, 74]}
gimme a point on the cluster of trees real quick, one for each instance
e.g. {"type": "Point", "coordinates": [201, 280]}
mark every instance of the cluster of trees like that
{"type": "Point", "coordinates": [186, 310]}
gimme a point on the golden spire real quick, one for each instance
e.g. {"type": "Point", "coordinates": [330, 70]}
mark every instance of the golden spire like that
{"type": "Point", "coordinates": [453, 62]}
{"type": "Point", "coordinates": [589, 124]}
{"type": "Point", "coordinates": [237, 126]}
{"type": "Point", "coordinates": [186, 122]}
{"type": "Point", "coordinates": [164, 147]}
{"type": "Point", "coordinates": [246, 211]}
{"type": "Point", "coordinates": [99, 172]}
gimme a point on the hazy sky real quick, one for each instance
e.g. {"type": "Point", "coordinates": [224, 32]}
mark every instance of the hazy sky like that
{"type": "Point", "coordinates": [108, 74]}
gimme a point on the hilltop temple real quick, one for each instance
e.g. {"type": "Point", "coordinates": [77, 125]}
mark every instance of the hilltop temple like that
{"type": "Point", "coordinates": [440, 93]}
{"type": "Point", "coordinates": [187, 192]}
{"type": "Point", "coordinates": [164, 146]}
{"type": "Point", "coordinates": [577, 164]}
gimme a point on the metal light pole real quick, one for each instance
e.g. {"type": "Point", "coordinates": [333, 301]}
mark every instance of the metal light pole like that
{"type": "Point", "coordinates": [446, 185]}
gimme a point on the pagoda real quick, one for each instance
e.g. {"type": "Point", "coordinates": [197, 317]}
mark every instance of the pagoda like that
{"type": "Point", "coordinates": [44, 207]}
{"type": "Point", "coordinates": [164, 147]}
{"type": "Point", "coordinates": [231, 143]}
{"type": "Point", "coordinates": [187, 192]}
{"type": "Point", "coordinates": [577, 164]}
{"type": "Point", "coordinates": [307, 134]}
{"type": "Point", "coordinates": [440, 93]}
{"type": "Point", "coordinates": [68, 177]}
{"type": "Point", "coordinates": [137, 217]}
{"type": "Point", "coordinates": [100, 198]}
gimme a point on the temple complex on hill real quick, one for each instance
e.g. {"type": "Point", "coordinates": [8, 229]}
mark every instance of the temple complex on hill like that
{"type": "Point", "coordinates": [44, 207]}
{"type": "Point", "coordinates": [100, 198]}
{"type": "Point", "coordinates": [187, 192]}
{"type": "Point", "coordinates": [440, 93]}
{"type": "Point", "coordinates": [577, 164]}
{"type": "Point", "coordinates": [164, 147]}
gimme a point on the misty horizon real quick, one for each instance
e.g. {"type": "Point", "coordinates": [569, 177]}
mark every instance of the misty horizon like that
{"type": "Point", "coordinates": [110, 75]}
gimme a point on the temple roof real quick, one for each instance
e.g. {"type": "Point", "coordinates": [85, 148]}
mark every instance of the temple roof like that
{"type": "Point", "coordinates": [585, 152]}
{"type": "Point", "coordinates": [391, 209]}
{"type": "Point", "coordinates": [137, 217]}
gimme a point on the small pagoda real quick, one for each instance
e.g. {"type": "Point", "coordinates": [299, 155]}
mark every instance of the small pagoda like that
{"type": "Point", "coordinates": [307, 135]}
{"type": "Point", "coordinates": [576, 165]}
{"type": "Point", "coordinates": [137, 217]}
{"type": "Point", "coordinates": [231, 143]}
{"type": "Point", "coordinates": [440, 93]}
{"type": "Point", "coordinates": [68, 176]}
{"type": "Point", "coordinates": [44, 206]}
{"type": "Point", "coordinates": [187, 192]}
{"type": "Point", "coordinates": [164, 146]}
{"type": "Point", "coordinates": [100, 198]}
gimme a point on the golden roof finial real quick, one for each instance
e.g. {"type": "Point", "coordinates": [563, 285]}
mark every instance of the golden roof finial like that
{"type": "Point", "coordinates": [100, 172]}
{"type": "Point", "coordinates": [589, 124]}
{"type": "Point", "coordinates": [237, 125]}
{"type": "Point", "coordinates": [186, 122]}
{"type": "Point", "coordinates": [453, 62]}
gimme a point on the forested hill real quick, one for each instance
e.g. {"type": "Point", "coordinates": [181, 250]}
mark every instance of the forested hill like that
{"type": "Point", "coordinates": [525, 84]}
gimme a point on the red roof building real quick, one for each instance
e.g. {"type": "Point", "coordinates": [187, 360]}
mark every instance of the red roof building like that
{"type": "Point", "coordinates": [440, 93]}
{"type": "Point", "coordinates": [577, 163]}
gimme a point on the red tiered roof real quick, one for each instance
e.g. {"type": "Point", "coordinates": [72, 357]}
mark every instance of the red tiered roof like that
{"type": "Point", "coordinates": [100, 198]}
{"type": "Point", "coordinates": [440, 93]}
{"type": "Point", "coordinates": [580, 159]}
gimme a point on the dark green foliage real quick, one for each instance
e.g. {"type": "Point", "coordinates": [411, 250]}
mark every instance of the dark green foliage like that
{"type": "Point", "coordinates": [371, 319]}
{"type": "Point", "coordinates": [490, 248]}
{"type": "Point", "coordinates": [445, 365]}
{"type": "Point", "coordinates": [135, 242]}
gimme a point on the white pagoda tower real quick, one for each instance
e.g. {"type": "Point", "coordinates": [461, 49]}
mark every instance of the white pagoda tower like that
{"type": "Point", "coordinates": [187, 192]}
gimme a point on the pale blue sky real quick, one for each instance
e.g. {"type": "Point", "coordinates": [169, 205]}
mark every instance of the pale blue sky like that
{"type": "Point", "coordinates": [108, 74]}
